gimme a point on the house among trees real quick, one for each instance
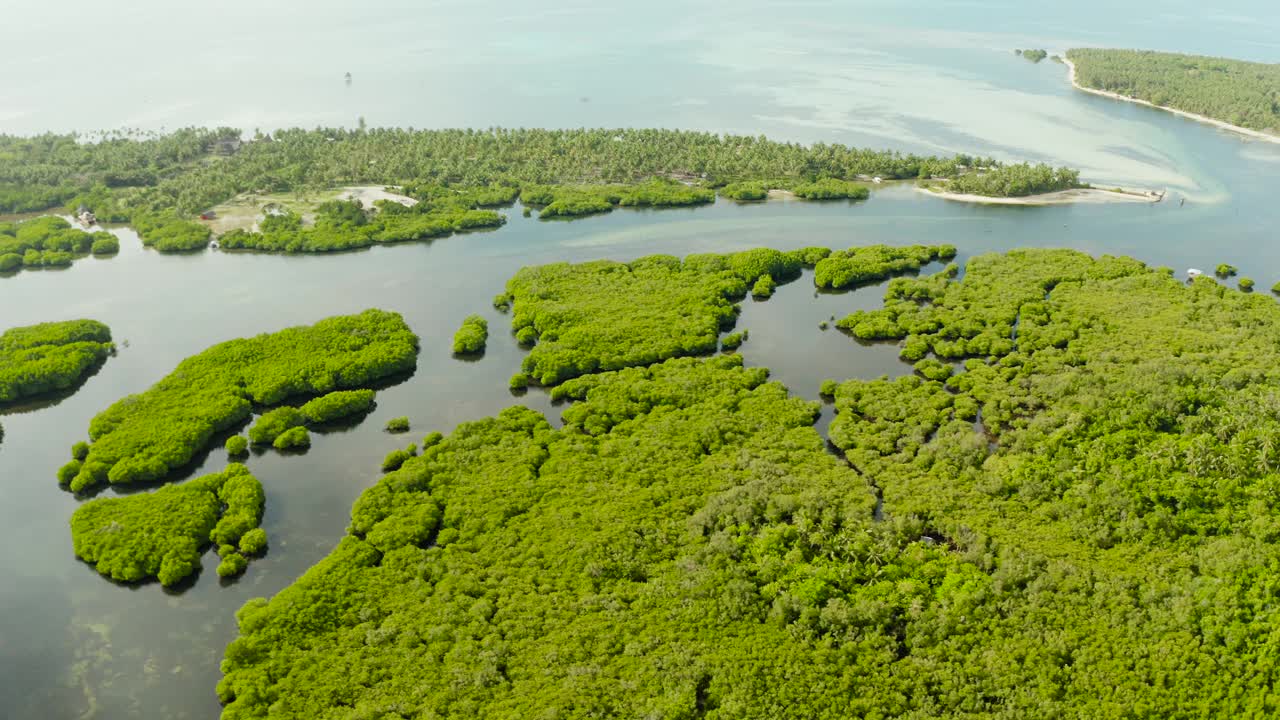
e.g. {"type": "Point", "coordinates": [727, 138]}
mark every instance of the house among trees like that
{"type": "Point", "coordinates": [85, 216]}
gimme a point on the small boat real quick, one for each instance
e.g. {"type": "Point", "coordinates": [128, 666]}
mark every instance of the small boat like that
{"type": "Point", "coordinates": [85, 216]}
{"type": "Point", "coordinates": [1193, 273]}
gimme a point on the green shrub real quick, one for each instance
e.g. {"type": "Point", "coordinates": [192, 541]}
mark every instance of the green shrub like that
{"type": "Point", "coordinates": [398, 425]}
{"type": "Point", "coordinates": [831, 189]}
{"type": "Point", "coordinates": [337, 405]}
{"type": "Point", "coordinates": [733, 341]}
{"type": "Point", "coordinates": [1245, 284]}
{"type": "Point", "coordinates": [105, 243]}
{"type": "Point", "coordinates": [253, 543]}
{"type": "Point", "coordinates": [1224, 270]}
{"type": "Point", "coordinates": [232, 564]}
{"type": "Point", "coordinates": [764, 287]}
{"type": "Point", "coordinates": [237, 446]}
{"type": "Point", "coordinates": [471, 337]}
{"type": "Point", "coordinates": [395, 459]}
{"type": "Point", "coordinates": [273, 423]}
{"type": "Point", "coordinates": [293, 438]}
{"type": "Point", "coordinates": [745, 191]}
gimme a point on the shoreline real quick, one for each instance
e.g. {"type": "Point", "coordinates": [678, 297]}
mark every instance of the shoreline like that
{"type": "Point", "coordinates": [1057, 197]}
{"type": "Point", "coordinates": [1243, 131]}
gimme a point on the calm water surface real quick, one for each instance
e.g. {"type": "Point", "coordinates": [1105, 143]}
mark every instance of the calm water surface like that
{"type": "Point", "coordinates": [909, 75]}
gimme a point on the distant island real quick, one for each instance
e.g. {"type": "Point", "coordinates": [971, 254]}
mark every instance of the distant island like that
{"type": "Point", "coordinates": [1034, 56]}
{"type": "Point", "coordinates": [1232, 94]}
{"type": "Point", "coordinates": [186, 190]}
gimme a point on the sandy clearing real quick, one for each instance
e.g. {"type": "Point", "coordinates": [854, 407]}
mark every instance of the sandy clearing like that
{"type": "Point", "coordinates": [1061, 197]}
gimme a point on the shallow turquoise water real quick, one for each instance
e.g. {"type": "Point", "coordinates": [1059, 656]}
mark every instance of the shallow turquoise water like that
{"type": "Point", "coordinates": [911, 75]}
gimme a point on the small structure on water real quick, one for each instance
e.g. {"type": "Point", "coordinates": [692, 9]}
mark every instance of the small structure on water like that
{"type": "Point", "coordinates": [1193, 273]}
{"type": "Point", "coordinates": [877, 180]}
{"type": "Point", "coordinates": [85, 216]}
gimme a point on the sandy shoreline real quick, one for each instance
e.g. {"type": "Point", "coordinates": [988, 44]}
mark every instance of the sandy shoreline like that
{"type": "Point", "coordinates": [1060, 197]}
{"type": "Point", "coordinates": [1256, 135]}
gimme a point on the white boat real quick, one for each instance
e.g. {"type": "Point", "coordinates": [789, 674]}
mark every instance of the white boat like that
{"type": "Point", "coordinates": [1193, 273]}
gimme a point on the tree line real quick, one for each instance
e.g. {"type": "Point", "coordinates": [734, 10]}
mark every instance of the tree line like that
{"type": "Point", "coordinates": [1241, 93]}
{"type": "Point", "coordinates": [124, 177]}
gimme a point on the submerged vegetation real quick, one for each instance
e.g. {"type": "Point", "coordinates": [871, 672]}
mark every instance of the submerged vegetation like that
{"type": "Point", "coordinates": [49, 242]}
{"type": "Point", "coordinates": [45, 358]}
{"type": "Point", "coordinates": [144, 437]}
{"type": "Point", "coordinates": [162, 534]}
{"type": "Point", "coordinates": [1232, 91]}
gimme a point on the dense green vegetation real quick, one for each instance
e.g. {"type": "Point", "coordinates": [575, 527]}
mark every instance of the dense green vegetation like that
{"type": "Point", "coordinates": [1245, 284]}
{"type": "Point", "coordinates": [1077, 522]}
{"type": "Point", "coordinates": [471, 336]}
{"type": "Point", "coordinates": [294, 438]}
{"type": "Point", "coordinates": [746, 191]}
{"type": "Point", "coordinates": [1241, 93]}
{"type": "Point", "coordinates": [1225, 270]}
{"type": "Point", "coordinates": [831, 189]}
{"type": "Point", "coordinates": [337, 405]}
{"type": "Point", "coordinates": [667, 552]}
{"type": "Point", "coordinates": [48, 357]}
{"type": "Point", "coordinates": [162, 534]}
{"type": "Point", "coordinates": [348, 225]}
{"type": "Point", "coordinates": [236, 446]}
{"type": "Point", "coordinates": [161, 180]}
{"type": "Point", "coordinates": [49, 242]}
{"type": "Point", "coordinates": [144, 437]}
{"type": "Point", "coordinates": [860, 265]}
{"type": "Point", "coordinates": [396, 458]}
{"type": "Point", "coordinates": [578, 200]}
{"type": "Point", "coordinates": [606, 315]}
{"type": "Point", "coordinates": [273, 423]}
{"type": "Point", "coordinates": [1034, 56]}
{"type": "Point", "coordinates": [1016, 181]}
{"type": "Point", "coordinates": [398, 424]}
{"type": "Point", "coordinates": [170, 234]}
{"type": "Point", "coordinates": [733, 341]}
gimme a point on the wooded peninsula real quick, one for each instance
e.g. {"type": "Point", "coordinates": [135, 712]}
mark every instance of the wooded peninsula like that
{"type": "Point", "coordinates": [451, 179]}
{"type": "Point", "coordinates": [1240, 93]}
